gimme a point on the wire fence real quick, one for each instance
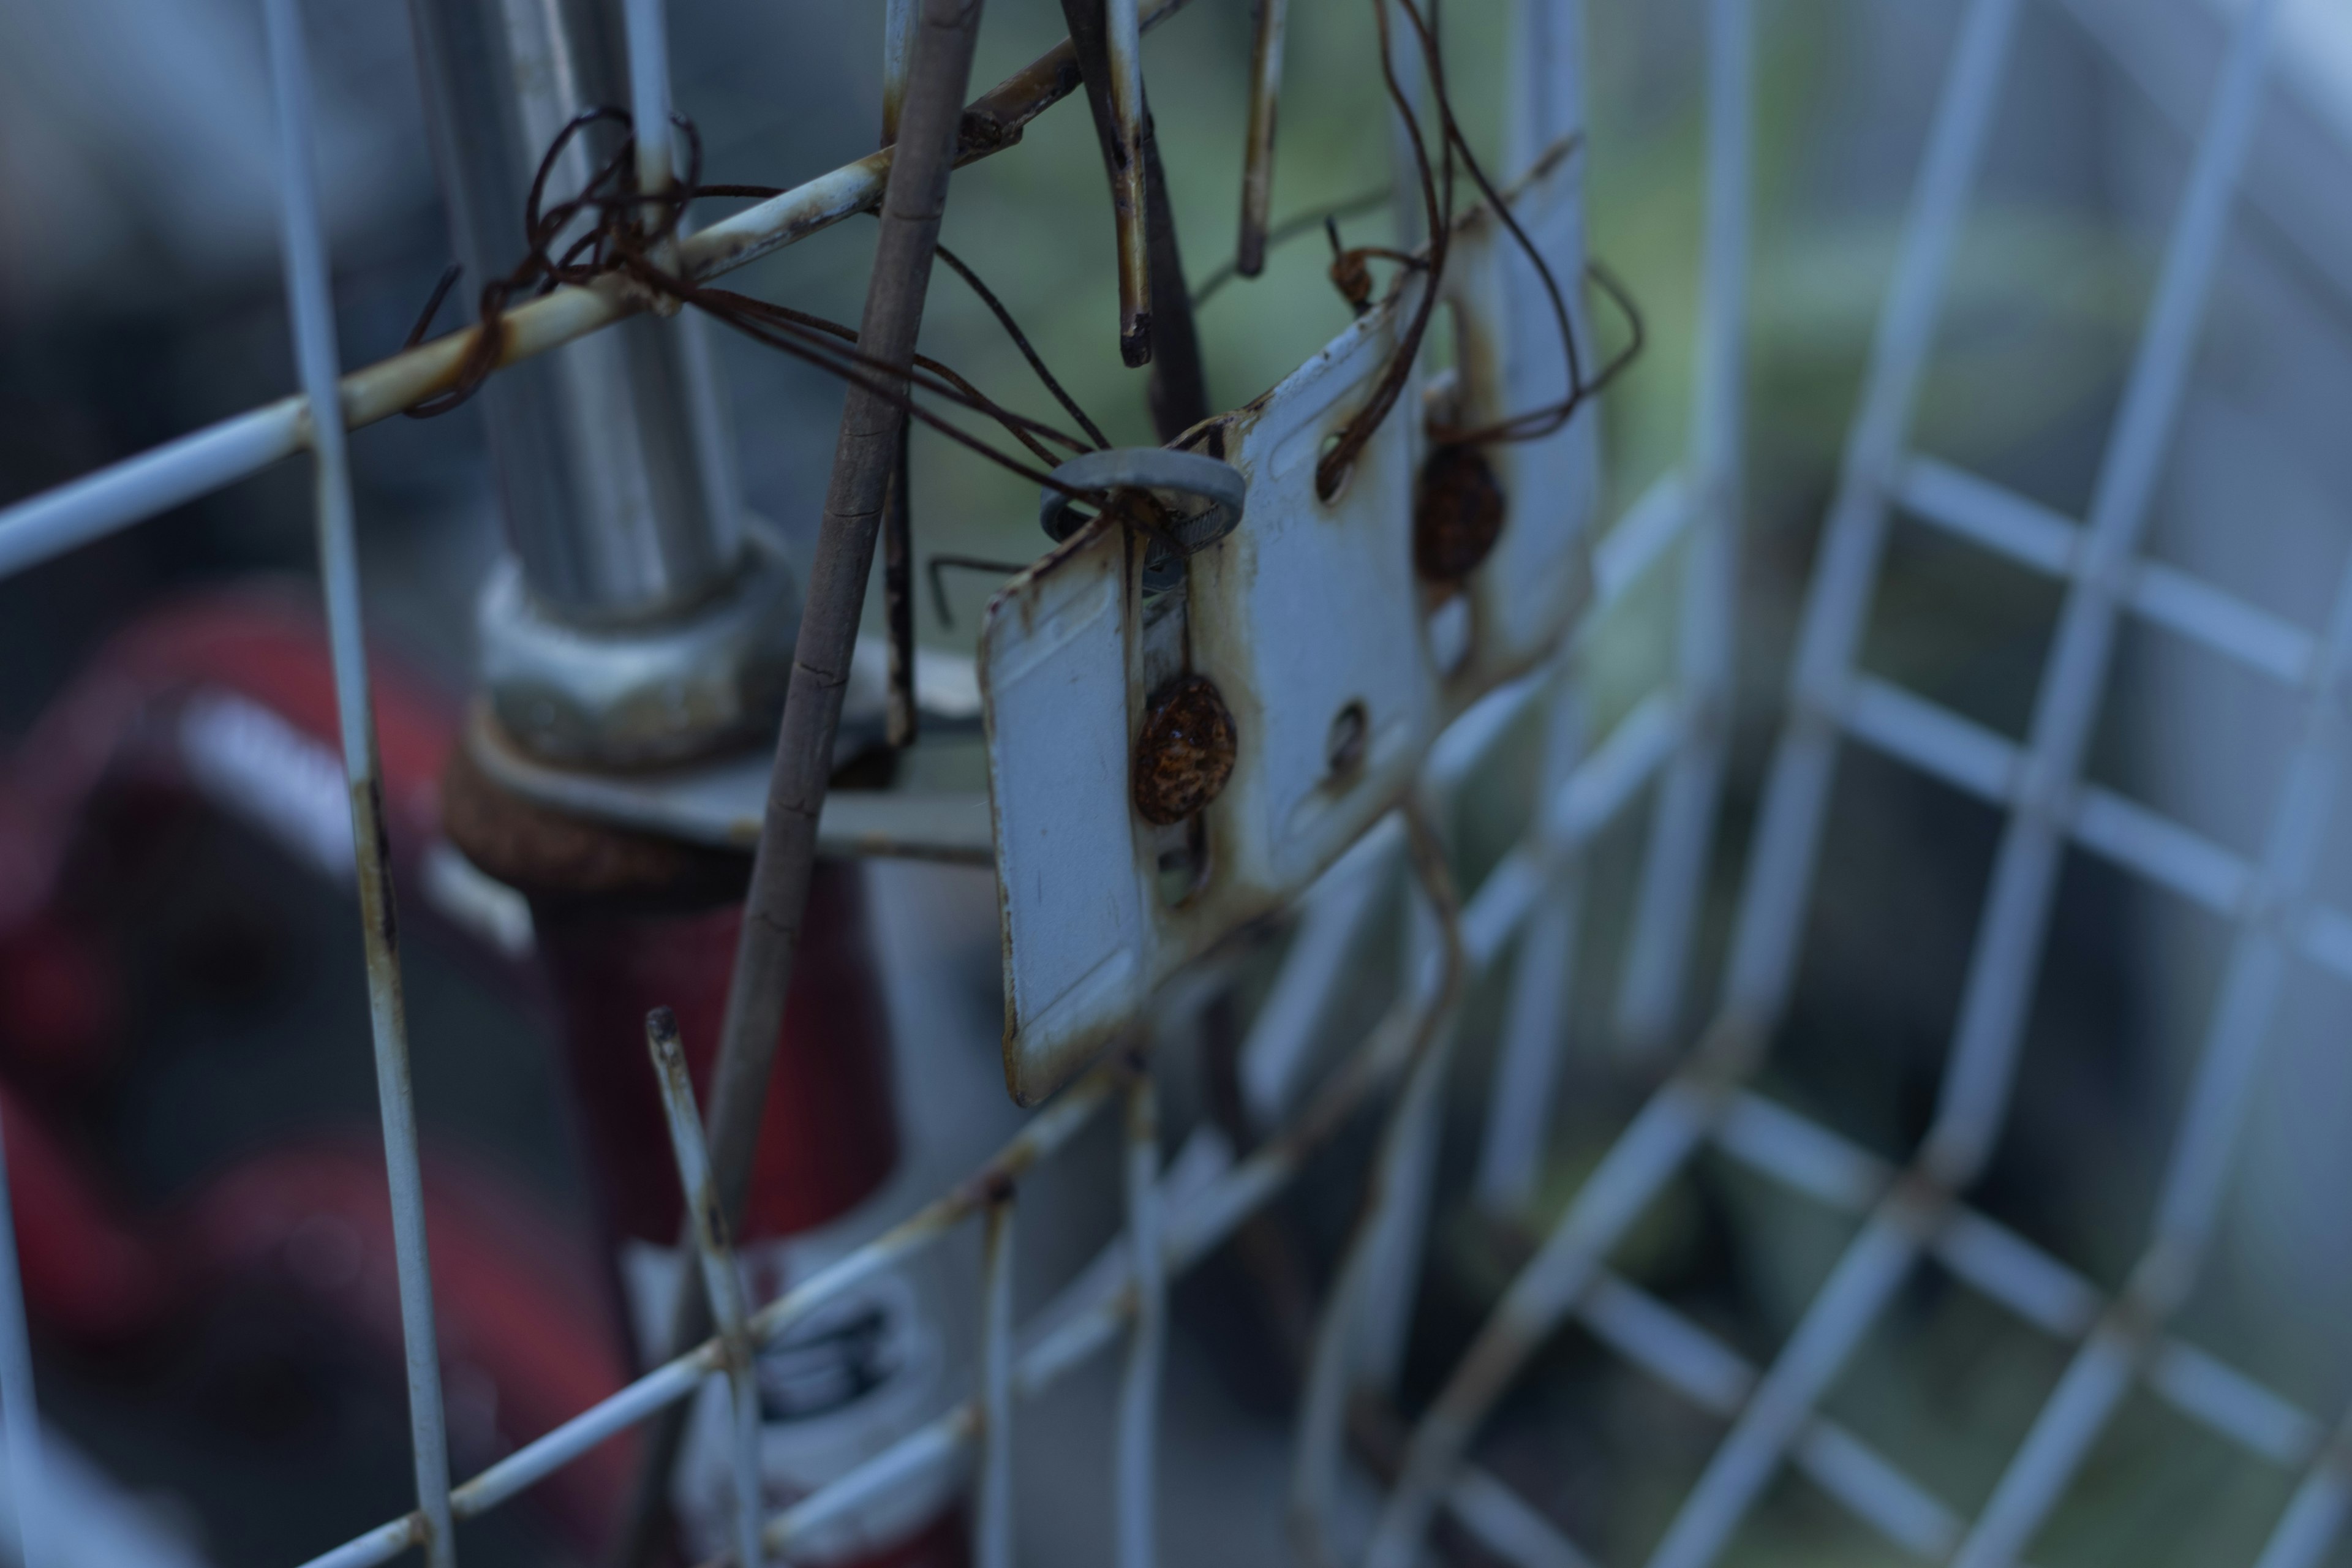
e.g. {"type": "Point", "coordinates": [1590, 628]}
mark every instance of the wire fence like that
{"type": "Point", "coordinates": [1180, 1207]}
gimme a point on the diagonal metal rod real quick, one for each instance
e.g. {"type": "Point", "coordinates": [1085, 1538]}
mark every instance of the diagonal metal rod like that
{"type": "Point", "coordinates": [938, 65]}
{"type": "Point", "coordinates": [312, 309]}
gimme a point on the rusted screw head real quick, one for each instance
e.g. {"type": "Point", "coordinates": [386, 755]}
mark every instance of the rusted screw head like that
{"type": "Point", "coordinates": [1457, 514]}
{"type": "Point", "coordinates": [1186, 753]}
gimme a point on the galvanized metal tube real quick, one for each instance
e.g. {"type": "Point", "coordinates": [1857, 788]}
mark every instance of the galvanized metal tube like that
{"type": "Point", "coordinates": [195, 465]}
{"type": "Point", "coordinates": [722, 1283]}
{"type": "Point", "coordinates": [901, 720]}
{"type": "Point", "coordinates": [19, 1411]}
{"type": "Point", "coordinates": [1138, 1393]}
{"type": "Point", "coordinates": [312, 311]}
{"type": "Point", "coordinates": [993, 1530]}
{"type": "Point", "coordinates": [608, 501]}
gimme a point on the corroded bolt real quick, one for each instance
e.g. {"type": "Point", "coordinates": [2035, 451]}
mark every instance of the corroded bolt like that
{"type": "Point", "coordinates": [1457, 514]}
{"type": "Point", "coordinates": [1186, 753]}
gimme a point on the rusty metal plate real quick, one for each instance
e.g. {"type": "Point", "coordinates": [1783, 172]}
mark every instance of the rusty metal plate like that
{"type": "Point", "coordinates": [1337, 662]}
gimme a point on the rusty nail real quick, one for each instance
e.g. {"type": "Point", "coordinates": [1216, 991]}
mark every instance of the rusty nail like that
{"type": "Point", "coordinates": [1457, 514]}
{"type": "Point", "coordinates": [1185, 752]}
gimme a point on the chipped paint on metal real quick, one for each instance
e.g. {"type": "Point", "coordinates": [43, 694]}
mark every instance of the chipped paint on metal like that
{"type": "Point", "coordinates": [1311, 621]}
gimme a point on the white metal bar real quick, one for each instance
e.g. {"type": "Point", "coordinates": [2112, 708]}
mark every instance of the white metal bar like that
{"type": "Point", "coordinates": [1799, 1152]}
{"type": "Point", "coordinates": [992, 1531]}
{"type": "Point", "coordinates": [648, 27]}
{"type": "Point", "coordinates": [1682, 829]}
{"type": "Point", "coordinates": [1358, 1335]}
{"type": "Point", "coordinates": [1499, 1520]}
{"type": "Point", "coordinates": [1639, 540]}
{"type": "Point", "coordinates": [2016, 910]}
{"type": "Point", "coordinates": [2018, 1275]}
{"type": "Point", "coordinates": [1535, 1019]}
{"type": "Point", "coordinates": [2232, 1405]}
{"type": "Point", "coordinates": [1796, 794]}
{"type": "Point", "coordinates": [310, 304]}
{"type": "Point", "coordinates": [2314, 1516]}
{"type": "Point", "coordinates": [898, 49]}
{"type": "Point", "coordinates": [19, 1411]}
{"type": "Point", "coordinates": [1856, 1292]}
{"type": "Point", "coordinates": [1275, 1052]}
{"type": "Point", "coordinates": [720, 1280]}
{"type": "Point", "coordinates": [1404, 1185]}
{"type": "Point", "coordinates": [170, 475]}
{"type": "Point", "coordinates": [1684, 1356]}
{"type": "Point", "coordinates": [1138, 1394]}
{"type": "Point", "coordinates": [1654, 1147]}
{"type": "Point", "coordinates": [1971, 757]}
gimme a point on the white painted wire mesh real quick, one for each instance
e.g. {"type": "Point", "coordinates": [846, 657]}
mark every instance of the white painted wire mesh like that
{"type": "Point", "coordinates": [1524, 913]}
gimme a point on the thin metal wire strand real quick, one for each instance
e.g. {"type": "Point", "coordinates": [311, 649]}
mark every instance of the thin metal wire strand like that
{"type": "Point", "coordinates": [1682, 831]}
{"type": "Point", "coordinates": [310, 304]}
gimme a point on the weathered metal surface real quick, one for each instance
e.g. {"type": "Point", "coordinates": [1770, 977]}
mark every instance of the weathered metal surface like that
{"type": "Point", "coordinates": [1184, 756]}
{"type": "Point", "coordinates": [1339, 663]}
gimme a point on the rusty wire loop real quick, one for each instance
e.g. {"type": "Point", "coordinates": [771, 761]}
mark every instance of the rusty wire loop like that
{"type": "Point", "coordinates": [1290, 228]}
{"type": "Point", "coordinates": [1352, 276]}
{"type": "Point", "coordinates": [626, 237]}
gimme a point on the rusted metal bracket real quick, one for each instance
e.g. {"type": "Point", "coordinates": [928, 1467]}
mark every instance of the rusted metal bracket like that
{"type": "Point", "coordinates": [1337, 659]}
{"type": "Point", "coordinates": [717, 802]}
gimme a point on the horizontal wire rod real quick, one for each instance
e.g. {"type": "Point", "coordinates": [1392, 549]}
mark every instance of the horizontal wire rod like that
{"type": "Point", "coordinates": [195, 465]}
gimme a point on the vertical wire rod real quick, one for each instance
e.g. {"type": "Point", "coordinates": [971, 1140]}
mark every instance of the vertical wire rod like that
{"type": "Point", "coordinates": [1796, 792]}
{"type": "Point", "coordinates": [776, 902]}
{"type": "Point", "coordinates": [316, 356]}
{"type": "Point", "coordinates": [1124, 35]}
{"type": "Point", "coordinates": [1543, 975]}
{"type": "Point", "coordinates": [1682, 832]}
{"type": "Point", "coordinates": [1138, 1391]}
{"type": "Point", "coordinates": [646, 23]}
{"type": "Point", "coordinates": [720, 1279]}
{"type": "Point", "coordinates": [19, 1412]}
{"type": "Point", "coordinates": [2016, 910]}
{"type": "Point", "coordinates": [1435, 982]}
{"type": "Point", "coordinates": [992, 1531]}
{"type": "Point", "coordinates": [1257, 155]}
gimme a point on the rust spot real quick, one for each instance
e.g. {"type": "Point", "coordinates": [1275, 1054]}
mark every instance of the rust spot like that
{"type": "Point", "coordinates": [375, 880]}
{"type": "Point", "coordinates": [1457, 514]}
{"type": "Point", "coordinates": [1185, 754]}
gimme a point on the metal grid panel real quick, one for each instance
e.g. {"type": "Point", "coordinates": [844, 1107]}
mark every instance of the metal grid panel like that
{"type": "Point", "coordinates": [1913, 1211]}
{"type": "Point", "coordinates": [1177, 1214]}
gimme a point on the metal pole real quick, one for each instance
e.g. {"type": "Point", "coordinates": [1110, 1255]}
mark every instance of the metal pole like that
{"type": "Point", "coordinates": [940, 62]}
{"type": "Point", "coordinates": [315, 356]}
